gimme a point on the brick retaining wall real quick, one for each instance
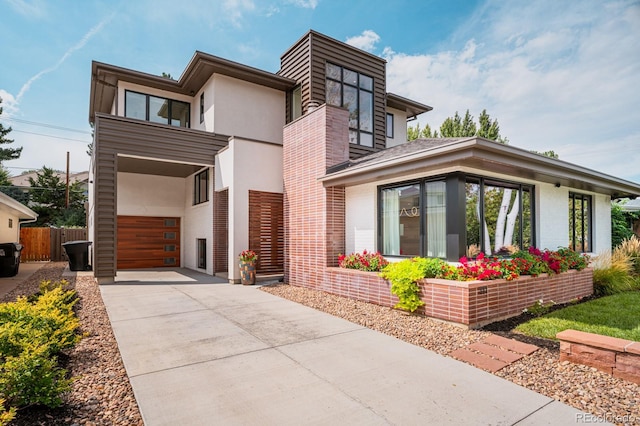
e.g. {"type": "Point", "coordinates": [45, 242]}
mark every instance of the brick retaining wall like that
{"type": "Point", "coordinates": [470, 303]}
{"type": "Point", "coordinates": [618, 357]}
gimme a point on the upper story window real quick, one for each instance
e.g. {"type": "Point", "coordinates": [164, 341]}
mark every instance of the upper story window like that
{"type": "Point", "coordinates": [580, 213]}
{"type": "Point", "coordinates": [201, 107]}
{"type": "Point", "coordinates": [156, 109]}
{"type": "Point", "coordinates": [201, 187]}
{"type": "Point", "coordinates": [390, 125]}
{"type": "Point", "coordinates": [353, 91]}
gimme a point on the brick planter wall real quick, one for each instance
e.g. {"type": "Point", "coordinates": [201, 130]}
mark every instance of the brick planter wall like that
{"type": "Point", "coordinates": [470, 303]}
{"type": "Point", "coordinates": [618, 357]}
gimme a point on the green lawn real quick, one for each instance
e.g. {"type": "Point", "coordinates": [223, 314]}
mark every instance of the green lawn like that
{"type": "Point", "coordinates": [616, 316]}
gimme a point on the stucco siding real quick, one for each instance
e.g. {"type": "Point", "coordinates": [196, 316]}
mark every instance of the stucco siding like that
{"type": "Point", "coordinates": [602, 227]}
{"type": "Point", "coordinates": [147, 195]}
{"type": "Point", "coordinates": [197, 224]}
{"type": "Point", "coordinates": [245, 165]}
{"type": "Point", "coordinates": [8, 235]}
{"type": "Point", "coordinates": [246, 109]}
{"type": "Point", "coordinates": [399, 127]}
{"type": "Point", "coordinates": [361, 214]}
{"type": "Point", "coordinates": [552, 216]}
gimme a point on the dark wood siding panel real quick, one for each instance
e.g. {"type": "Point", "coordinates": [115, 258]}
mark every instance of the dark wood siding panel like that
{"type": "Point", "coordinates": [118, 135]}
{"type": "Point", "coordinates": [221, 231]}
{"type": "Point", "coordinates": [320, 50]}
{"type": "Point", "coordinates": [295, 65]}
{"type": "Point", "coordinates": [266, 230]}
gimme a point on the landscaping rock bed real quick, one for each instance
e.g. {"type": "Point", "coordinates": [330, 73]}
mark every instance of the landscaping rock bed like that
{"type": "Point", "coordinates": [101, 393]}
{"type": "Point", "coordinates": [582, 387]}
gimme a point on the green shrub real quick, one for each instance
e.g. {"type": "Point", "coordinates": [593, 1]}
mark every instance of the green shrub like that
{"type": "Point", "coordinates": [33, 378]}
{"type": "Point", "coordinates": [6, 416]}
{"type": "Point", "coordinates": [612, 274]}
{"type": "Point", "coordinates": [404, 275]}
{"type": "Point", "coordinates": [31, 336]}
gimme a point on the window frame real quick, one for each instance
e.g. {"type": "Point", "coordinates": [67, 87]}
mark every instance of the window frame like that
{"type": "Point", "coordinates": [169, 109]}
{"type": "Point", "coordinates": [201, 107]}
{"type": "Point", "coordinates": [390, 135]}
{"type": "Point", "coordinates": [201, 253]}
{"type": "Point", "coordinates": [589, 221]}
{"type": "Point", "coordinates": [422, 206]}
{"type": "Point", "coordinates": [359, 89]}
{"type": "Point", "coordinates": [197, 187]}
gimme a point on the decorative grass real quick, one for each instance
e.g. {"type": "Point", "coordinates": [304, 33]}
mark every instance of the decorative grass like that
{"type": "Point", "coordinates": [616, 316]}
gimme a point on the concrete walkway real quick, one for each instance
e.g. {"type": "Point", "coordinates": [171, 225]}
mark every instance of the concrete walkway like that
{"type": "Point", "coordinates": [200, 352]}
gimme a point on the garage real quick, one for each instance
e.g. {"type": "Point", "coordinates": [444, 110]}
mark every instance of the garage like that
{"type": "Point", "coordinates": [148, 242]}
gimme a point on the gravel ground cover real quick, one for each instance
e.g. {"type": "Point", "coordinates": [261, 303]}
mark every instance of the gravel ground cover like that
{"type": "Point", "coordinates": [582, 387]}
{"type": "Point", "coordinates": [101, 393]}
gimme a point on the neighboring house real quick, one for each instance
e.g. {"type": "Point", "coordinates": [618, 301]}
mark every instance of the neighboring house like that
{"type": "Point", "coordinates": [22, 181]}
{"type": "Point", "coordinates": [308, 163]}
{"type": "Point", "coordinates": [12, 215]}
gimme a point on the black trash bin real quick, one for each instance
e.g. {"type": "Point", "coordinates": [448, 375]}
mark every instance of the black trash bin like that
{"type": "Point", "coordinates": [9, 259]}
{"type": "Point", "coordinates": [78, 254]}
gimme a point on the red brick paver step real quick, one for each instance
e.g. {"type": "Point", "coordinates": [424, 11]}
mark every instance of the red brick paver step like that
{"type": "Point", "coordinates": [479, 360]}
{"type": "Point", "coordinates": [510, 344]}
{"type": "Point", "coordinates": [496, 352]}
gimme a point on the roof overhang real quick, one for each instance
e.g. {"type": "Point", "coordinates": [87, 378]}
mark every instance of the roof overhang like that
{"type": "Point", "coordinates": [412, 108]}
{"type": "Point", "coordinates": [16, 208]}
{"type": "Point", "coordinates": [105, 78]}
{"type": "Point", "coordinates": [483, 154]}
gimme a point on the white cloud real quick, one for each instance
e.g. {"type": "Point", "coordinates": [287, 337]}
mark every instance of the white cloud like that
{"type": "Point", "coordinates": [30, 9]}
{"type": "Point", "coordinates": [561, 76]}
{"type": "Point", "coordinates": [79, 45]}
{"type": "Point", "coordinates": [365, 41]}
{"type": "Point", "coordinates": [9, 105]}
{"type": "Point", "coordinates": [235, 10]}
{"type": "Point", "coordinates": [307, 4]}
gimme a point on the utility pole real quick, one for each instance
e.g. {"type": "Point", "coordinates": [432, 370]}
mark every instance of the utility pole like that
{"type": "Point", "coordinates": [67, 192]}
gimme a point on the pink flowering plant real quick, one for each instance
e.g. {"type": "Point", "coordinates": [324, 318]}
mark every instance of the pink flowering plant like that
{"type": "Point", "coordinates": [365, 261]}
{"type": "Point", "coordinates": [248, 256]}
{"type": "Point", "coordinates": [486, 268]}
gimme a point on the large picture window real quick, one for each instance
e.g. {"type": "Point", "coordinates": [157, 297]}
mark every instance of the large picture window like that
{"type": "Point", "coordinates": [413, 219]}
{"type": "Point", "coordinates": [580, 213]}
{"type": "Point", "coordinates": [201, 187]}
{"type": "Point", "coordinates": [354, 91]}
{"type": "Point", "coordinates": [498, 216]}
{"type": "Point", "coordinates": [156, 109]}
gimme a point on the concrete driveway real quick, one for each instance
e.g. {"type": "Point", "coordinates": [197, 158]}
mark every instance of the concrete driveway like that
{"type": "Point", "coordinates": [200, 351]}
{"type": "Point", "coordinates": [7, 284]}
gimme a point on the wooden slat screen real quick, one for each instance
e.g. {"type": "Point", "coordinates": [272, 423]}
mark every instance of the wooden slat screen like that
{"type": "Point", "coordinates": [37, 244]}
{"type": "Point", "coordinates": [266, 230]}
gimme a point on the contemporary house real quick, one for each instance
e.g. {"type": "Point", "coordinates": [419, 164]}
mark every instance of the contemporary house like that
{"type": "Point", "coordinates": [306, 163]}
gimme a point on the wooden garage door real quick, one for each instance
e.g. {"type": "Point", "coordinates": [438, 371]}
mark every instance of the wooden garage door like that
{"type": "Point", "coordinates": [148, 242]}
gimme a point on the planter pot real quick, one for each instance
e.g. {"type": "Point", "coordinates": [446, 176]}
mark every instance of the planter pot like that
{"type": "Point", "coordinates": [247, 272]}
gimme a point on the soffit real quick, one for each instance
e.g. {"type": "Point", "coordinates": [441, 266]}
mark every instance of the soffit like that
{"type": "Point", "coordinates": [481, 154]}
{"type": "Point", "coordinates": [157, 168]}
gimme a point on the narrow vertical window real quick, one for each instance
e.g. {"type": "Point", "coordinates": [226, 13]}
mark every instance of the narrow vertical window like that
{"type": "Point", "coordinates": [202, 107]}
{"type": "Point", "coordinates": [390, 125]}
{"type": "Point", "coordinates": [201, 187]}
{"type": "Point", "coordinates": [296, 103]}
{"type": "Point", "coordinates": [10, 223]}
{"type": "Point", "coordinates": [580, 213]}
{"type": "Point", "coordinates": [201, 249]}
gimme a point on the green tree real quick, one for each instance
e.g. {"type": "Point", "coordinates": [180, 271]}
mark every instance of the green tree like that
{"type": "Point", "coordinates": [621, 224]}
{"type": "Point", "coordinates": [461, 127]}
{"type": "Point", "coordinates": [7, 153]}
{"type": "Point", "coordinates": [48, 195]}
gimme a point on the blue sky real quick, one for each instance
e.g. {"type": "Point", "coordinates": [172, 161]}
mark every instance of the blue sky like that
{"type": "Point", "coordinates": [557, 74]}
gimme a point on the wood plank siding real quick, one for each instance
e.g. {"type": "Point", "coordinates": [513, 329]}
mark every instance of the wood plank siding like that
{"type": "Point", "coordinates": [123, 136]}
{"type": "Point", "coordinates": [266, 230]}
{"type": "Point", "coordinates": [305, 62]}
{"type": "Point", "coordinates": [148, 242]}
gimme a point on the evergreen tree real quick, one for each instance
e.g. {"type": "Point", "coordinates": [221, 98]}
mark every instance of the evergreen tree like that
{"type": "Point", "coordinates": [48, 195]}
{"type": "Point", "coordinates": [7, 153]}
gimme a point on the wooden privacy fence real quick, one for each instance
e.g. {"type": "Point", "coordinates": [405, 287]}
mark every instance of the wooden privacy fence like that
{"type": "Point", "coordinates": [44, 244]}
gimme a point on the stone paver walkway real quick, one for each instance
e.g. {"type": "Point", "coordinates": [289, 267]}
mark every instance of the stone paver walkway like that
{"type": "Point", "coordinates": [493, 353]}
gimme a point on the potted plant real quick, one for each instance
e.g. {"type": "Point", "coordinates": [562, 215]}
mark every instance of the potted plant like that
{"type": "Point", "coordinates": [248, 259]}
